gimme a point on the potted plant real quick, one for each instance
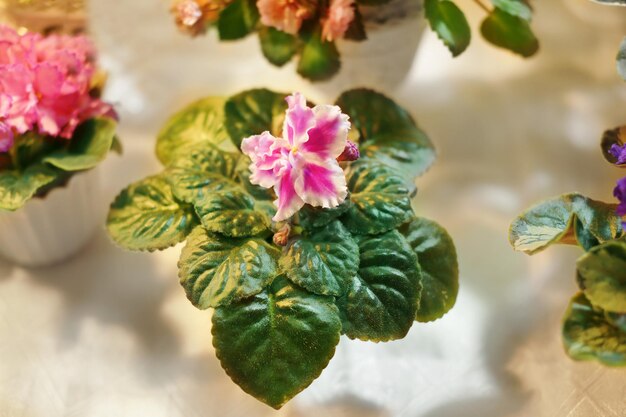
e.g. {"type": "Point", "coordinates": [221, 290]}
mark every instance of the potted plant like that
{"type": "Point", "coordinates": [318, 32]}
{"type": "Point", "coordinates": [54, 129]}
{"type": "Point", "coordinates": [298, 227]}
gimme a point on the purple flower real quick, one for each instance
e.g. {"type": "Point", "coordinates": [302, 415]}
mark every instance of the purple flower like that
{"type": "Point", "coordinates": [619, 152]}
{"type": "Point", "coordinates": [620, 193]}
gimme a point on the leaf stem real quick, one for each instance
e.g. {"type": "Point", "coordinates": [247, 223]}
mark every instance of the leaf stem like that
{"type": "Point", "coordinates": [482, 6]}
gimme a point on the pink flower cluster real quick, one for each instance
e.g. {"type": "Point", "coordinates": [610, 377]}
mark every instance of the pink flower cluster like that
{"type": "Point", "coordinates": [45, 85]}
{"type": "Point", "coordinates": [288, 15]}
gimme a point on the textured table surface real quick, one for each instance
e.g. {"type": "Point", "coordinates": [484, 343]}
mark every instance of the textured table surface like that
{"type": "Point", "coordinates": [110, 333]}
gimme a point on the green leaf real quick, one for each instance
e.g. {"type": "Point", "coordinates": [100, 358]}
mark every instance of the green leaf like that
{"type": "Point", "coordinates": [587, 335]}
{"type": "Point", "coordinates": [553, 221]}
{"type": "Point", "coordinates": [382, 298]}
{"type": "Point", "coordinates": [17, 187]}
{"type": "Point", "coordinates": [612, 137]}
{"type": "Point", "coordinates": [30, 148]}
{"type": "Point", "coordinates": [380, 201]}
{"type": "Point", "coordinates": [252, 112]}
{"type": "Point", "coordinates": [231, 213]}
{"type": "Point", "coordinates": [315, 217]}
{"type": "Point", "coordinates": [116, 145]}
{"type": "Point", "coordinates": [204, 171]}
{"type": "Point", "coordinates": [388, 133]}
{"type": "Point", "coordinates": [449, 23]}
{"type": "Point", "coordinates": [200, 122]}
{"type": "Point", "coordinates": [215, 270]}
{"type": "Point", "coordinates": [602, 276]}
{"type": "Point", "coordinates": [237, 20]}
{"type": "Point", "coordinates": [89, 146]}
{"type": "Point", "coordinates": [322, 261]}
{"type": "Point", "coordinates": [356, 28]}
{"type": "Point", "coordinates": [612, 2]}
{"type": "Point", "coordinates": [436, 255]}
{"type": "Point", "coordinates": [621, 58]}
{"type": "Point", "coordinates": [517, 8]}
{"type": "Point", "coordinates": [509, 32]}
{"type": "Point", "coordinates": [277, 46]}
{"type": "Point", "coordinates": [319, 59]}
{"type": "Point", "coordinates": [146, 216]}
{"type": "Point", "coordinates": [275, 344]}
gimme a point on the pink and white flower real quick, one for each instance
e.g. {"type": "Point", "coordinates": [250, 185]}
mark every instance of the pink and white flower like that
{"type": "Point", "coordinates": [336, 23]}
{"type": "Point", "coordinates": [302, 166]}
{"type": "Point", "coordinates": [286, 15]}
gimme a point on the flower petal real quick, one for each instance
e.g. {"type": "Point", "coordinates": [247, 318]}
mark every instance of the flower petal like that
{"type": "Point", "coordinates": [288, 201]}
{"type": "Point", "coordinates": [298, 121]}
{"type": "Point", "coordinates": [6, 137]}
{"type": "Point", "coordinates": [269, 158]}
{"type": "Point", "coordinates": [328, 138]}
{"type": "Point", "coordinates": [321, 183]}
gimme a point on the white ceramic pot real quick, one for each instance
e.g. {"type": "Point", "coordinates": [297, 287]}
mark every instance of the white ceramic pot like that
{"type": "Point", "coordinates": [51, 229]}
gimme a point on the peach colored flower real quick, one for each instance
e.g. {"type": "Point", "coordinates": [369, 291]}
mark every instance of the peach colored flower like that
{"type": "Point", "coordinates": [285, 15]}
{"type": "Point", "coordinates": [336, 23]}
{"type": "Point", "coordinates": [194, 16]}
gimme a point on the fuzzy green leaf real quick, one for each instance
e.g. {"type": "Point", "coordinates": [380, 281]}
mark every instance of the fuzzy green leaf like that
{"type": "Point", "coordinates": [146, 216]}
{"type": "Point", "coordinates": [380, 200]}
{"type": "Point", "coordinates": [449, 23]}
{"type": "Point", "coordinates": [89, 146]}
{"type": "Point", "coordinates": [200, 122]}
{"type": "Point", "coordinates": [277, 46]}
{"type": "Point", "coordinates": [275, 344]}
{"type": "Point", "coordinates": [553, 221]}
{"type": "Point", "coordinates": [382, 299]}
{"type": "Point", "coordinates": [315, 217]}
{"type": "Point", "coordinates": [436, 255]}
{"type": "Point", "coordinates": [252, 112]}
{"type": "Point", "coordinates": [517, 8]}
{"type": "Point", "coordinates": [215, 270]}
{"type": "Point", "coordinates": [322, 261]}
{"type": "Point", "coordinates": [588, 335]}
{"type": "Point", "coordinates": [17, 187]}
{"type": "Point", "coordinates": [602, 276]}
{"type": "Point", "coordinates": [237, 20]}
{"type": "Point", "coordinates": [319, 59]}
{"type": "Point", "coordinates": [509, 32]}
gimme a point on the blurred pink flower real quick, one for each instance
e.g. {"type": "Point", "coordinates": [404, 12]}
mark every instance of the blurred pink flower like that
{"type": "Point", "coordinates": [302, 165]}
{"type": "Point", "coordinates": [285, 15]}
{"type": "Point", "coordinates": [336, 23]}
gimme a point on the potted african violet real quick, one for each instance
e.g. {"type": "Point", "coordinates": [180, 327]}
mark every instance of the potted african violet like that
{"type": "Point", "coordinates": [375, 40]}
{"type": "Point", "coordinates": [54, 129]}
{"type": "Point", "coordinates": [298, 227]}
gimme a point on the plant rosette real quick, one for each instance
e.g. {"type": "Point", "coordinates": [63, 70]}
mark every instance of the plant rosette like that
{"type": "Point", "coordinates": [310, 29]}
{"type": "Point", "coordinates": [298, 227]}
{"type": "Point", "coordinates": [52, 125]}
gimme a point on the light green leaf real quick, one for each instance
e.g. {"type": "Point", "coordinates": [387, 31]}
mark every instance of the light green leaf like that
{"type": "Point", "coordinates": [277, 46]}
{"type": "Point", "coordinates": [254, 111]}
{"type": "Point", "coordinates": [602, 276]}
{"type": "Point", "coordinates": [322, 261]}
{"type": "Point", "coordinates": [319, 59]}
{"type": "Point", "coordinates": [215, 270]}
{"type": "Point", "coordinates": [200, 122]}
{"type": "Point", "coordinates": [380, 201]}
{"type": "Point", "coordinates": [382, 299]}
{"type": "Point", "coordinates": [587, 335]}
{"type": "Point", "coordinates": [89, 146]}
{"type": "Point", "coordinates": [510, 32]}
{"type": "Point", "coordinates": [146, 216]}
{"type": "Point", "coordinates": [237, 20]}
{"type": "Point", "coordinates": [231, 213]}
{"type": "Point", "coordinates": [275, 344]}
{"type": "Point", "coordinates": [553, 221]}
{"type": "Point", "coordinates": [517, 8]}
{"type": "Point", "coordinates": [449, 23]}
{"type": "Point", "coordinates": [17, 187]}
{"type": "Point", "coordinates": [436, 255]}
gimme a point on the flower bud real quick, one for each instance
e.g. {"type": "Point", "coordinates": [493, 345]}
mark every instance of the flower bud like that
{"type": "Point", "coordinates": [282, 236]}
{"type": "Point", "coordinates": [350, 153]}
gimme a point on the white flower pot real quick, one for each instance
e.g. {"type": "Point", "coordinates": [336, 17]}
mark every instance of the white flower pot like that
{"type": "Point", "coordinates": [51, 229]}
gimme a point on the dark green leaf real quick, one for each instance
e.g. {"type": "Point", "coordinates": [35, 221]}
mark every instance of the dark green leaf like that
{"type": "Point", "coordinates": [602, 276]}
{"type": "Point", "coordinates": [587, 335]}
{"type": "Point", "coordinates": [517, 8]}
{"type": "Point", "coordinates": [436, 255]}
{"type": "Point", "coordinates": [215, 270]}
{"type": "Point", "coordinates": [17, 187]}
{"type": "Point", "coordinates": [146, 216]}
{"type": "Point", "coordinates": [200, 122]}
{"type": "Point", "coordinates": [277, 46]}
{"type": "Point", "coordinates": [323, 261]}
{"type": "Point", "coordinates": [612, 137]}
{"type": "Point", "coordinates": [237, 20]}
{"type": "Point", "coordinates": [449, 23]}
{"type": "Point", "coordinates": [382, 299]}
{"type": "Point", "coordinates": [89, 146]}
{"type": "Point", "coordinates": [315, 217]}
{"type": "Point", "coordinates": [553, 221]}
{"type": "Point", "coordinates": [232, 213]}
{"type": "Point", "coordinates": [275, 344]}
{"type": "Point", "coordinates": [319, 59]}
{"type": "Point", "coordinates": [253, 112]}
{"type": "Point", "coordinates": [380, 201]}
{"type": "Point", "coordinates": [509, 32]}
{"type": "Point", "coordinates": [30, 148]}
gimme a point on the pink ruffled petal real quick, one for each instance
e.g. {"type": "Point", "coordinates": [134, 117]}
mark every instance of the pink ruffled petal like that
{"type": "Point", "coordinates": [6, 137]}
{"type": "Point", "coordinates": [298, 121]}
{"type": "Point", "coordinates": [288, 201]}
{"type": "Point", "coordinates": [5, 104]}
{"type": "Point", "coordinates": [267, 154]}
{"type": "Point", "coordinates": [48, 80]}
{"type": "Point", "coordinates": [321, 183]}
{"type": "Point", "coordinates": [328, 138]}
